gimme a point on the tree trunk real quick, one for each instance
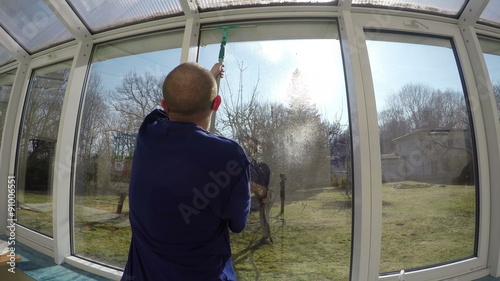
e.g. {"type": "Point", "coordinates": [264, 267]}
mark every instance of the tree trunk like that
{"type": "Point", "coordinates": [265, 204]}
{"type": "Point", "coordinates": [120, 203]}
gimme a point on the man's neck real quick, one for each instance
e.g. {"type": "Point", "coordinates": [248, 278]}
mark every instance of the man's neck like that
{"type": "Point", "coordinates": [204, 123]}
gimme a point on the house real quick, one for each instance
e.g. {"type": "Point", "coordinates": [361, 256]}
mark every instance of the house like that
{"type": "Point", "coordinates": [428, 155]}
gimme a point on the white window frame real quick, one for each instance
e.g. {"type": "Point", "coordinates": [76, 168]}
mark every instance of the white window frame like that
{"type": "Point", "coordinates": [31, 238]}
{"type": "Point", "coordinates": [367, 220]}
{"type": "Point", "coordinates": [476, 265]}
{"type": "Point", "coordinates": [71, 140]}
{"type": "Point", "coordinates": [487, 100]}
{"type": "Point", "coordinates": [6, 135]}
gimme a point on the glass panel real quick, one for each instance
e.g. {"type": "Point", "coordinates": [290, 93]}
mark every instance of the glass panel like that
{"type": "Point", "coordinates": [444, 7]}
{"type": "Point", "coordinates": [217, 4]}
{"type": "Point", "coordinates": [491, 52]}
{"type": "Point", "coordinates": [32, 24]}
{"type": "Point", "coordinates": [5, 56]}
{"type": "Point", "coordinates": [36, 146]}
{"type": "Point", "coordinates": [6, 81]}
{"type": "Point", "coordinates": [113, 109]}
{"type": "Point", "coordinates": [491, 14]}
{"type": "Point", "coordinates": [287, 106]}
{"type": "Point", "coordinates": [101, 15]}
{"type": "Point", "coordinates": [428, 156]}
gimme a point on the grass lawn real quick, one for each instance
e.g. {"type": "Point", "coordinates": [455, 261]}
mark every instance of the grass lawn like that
{"type": "Point", "coordinates": [422, 225]}
{"type": "Point", "coordinates": [102, 240]}
{"type": "Point", "coordinates": [39, 221]}
{"type": "Point", "coordinates": [312, 241]}
{"type": "Point", "coordinates": [426, 224]}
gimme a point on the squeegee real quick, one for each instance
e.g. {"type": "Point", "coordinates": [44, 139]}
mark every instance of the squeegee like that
{"type": "Point", "coordinates": [222, 54]}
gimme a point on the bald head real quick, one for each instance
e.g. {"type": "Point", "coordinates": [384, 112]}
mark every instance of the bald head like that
{"type": "Point", "coordinates": [189, 90]}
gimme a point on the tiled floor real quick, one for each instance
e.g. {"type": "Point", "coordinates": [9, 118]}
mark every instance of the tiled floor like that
{"type": "Point", "coordinates": [42, 268]}
{"type": "Point", "coordinates": [487, 278]}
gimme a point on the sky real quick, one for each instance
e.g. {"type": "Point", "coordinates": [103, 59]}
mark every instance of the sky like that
{"type": "Point", "coordinates": [270, 64]}
{"type": "Point", "coordinates": [157, 63]}
{"type": "Point", "coordinates": [493, 65]}
{"type": "Point", "coordinates": [395, 64]}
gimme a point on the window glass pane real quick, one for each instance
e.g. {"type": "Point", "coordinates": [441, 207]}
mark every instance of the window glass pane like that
{"type": "Point", "coordinates": [211, 4]}
{"type": "Point", "coordinates": [444, 7]}
{"type": "Point", "coordinates": [491, 52]}
{"type": "Point", "coordinates": [101, 15]}
{"type": "Point", "coordinates": [5, 57]}
{"type": "Point", "coordinates": [428, 156]}
{"type": "Point", "coordinates": [36, 146]}
{"type": "Point", "coordinates": [491, 14]}
{"type": "Point", "coordinates": [287, 106]}
{"type": "Point", "coordinates": [32, 24]}
{"type": "Point", "coordinates": [6, 81]}
{"type": "Point", "coordinates": [124, 85]}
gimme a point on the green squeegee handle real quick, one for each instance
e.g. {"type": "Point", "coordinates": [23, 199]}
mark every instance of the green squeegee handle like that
{"type": "Point", "coordinates": [222, 50]}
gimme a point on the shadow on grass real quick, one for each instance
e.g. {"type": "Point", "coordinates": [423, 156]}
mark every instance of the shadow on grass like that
{"type": "Point", "coordinates": [254, 245]}
{"type": "Point", "coordinates": [303, 194]}
{"type": "Point", "coordinates": [341, 205]}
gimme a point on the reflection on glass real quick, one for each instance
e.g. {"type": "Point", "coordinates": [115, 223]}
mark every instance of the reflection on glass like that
{"type": "Point", "coordinates": [33, 24]}
{"type": "Point", "coordinates": [446, 7]}
{"type": "Point", "coordinates": [6, 81]}
{"type": "Point", "coordinates": [36, 146]}
{"type": "Point", "coordinates": [491, 52]}
{"type": "Point", "coordinates": [490, 14]}
{"type": "Point", "coordinates": [287, 107]}
{"type": "Point", "coordinates": [102, 15]}
{"type": "Point", "coordinates": [211, 4]}
{"type": "Point", "coordinates": [428, 159]}
{"type": "Point", "coordinates": [5, 57]}
{"type": "Point", "coordinates": [123, 87]}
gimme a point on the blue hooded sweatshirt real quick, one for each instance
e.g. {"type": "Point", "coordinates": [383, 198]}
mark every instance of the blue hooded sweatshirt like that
{"type": "Point", "coordinates": [188, 187]}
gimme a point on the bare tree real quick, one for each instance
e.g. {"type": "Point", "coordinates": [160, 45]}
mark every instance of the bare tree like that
{"type": "Point", "coordinates": [496, 93]}
{"type": "Point", "coordinates": [238, 111]}
{"type": "Point", "coordinates": [417, 106]}
{"type": "Point", "coordinates": [134, 99]}
{"type": "Point", "coordinates": [439, 125]}
{"type": "Point", "coordinates": [93, 117]}
{"type": "Point", "coordinates": [4, 102]}
{"type": "Point", "coordinates": [39, 128]}
{"type": "Point", "coordinates": [108, 126]}
{"type": "Point", "coordinates": [94, 122]}
{"type": "Point", "coordinates": [130, 102]}
{"type": "Point", "coordinates": [291, 138]}
{"type": "Point", "coordinates": [241, 118]}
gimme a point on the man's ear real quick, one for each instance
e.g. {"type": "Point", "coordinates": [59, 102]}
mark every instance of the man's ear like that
{"type": "Point", "coordinates": [164, 105]}
{"type": "Point", "coordinates": [216, 103]}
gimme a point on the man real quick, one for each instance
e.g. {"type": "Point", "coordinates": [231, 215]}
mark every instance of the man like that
{"type": "Point", "coordinates": [187, 187]}
{"type": "Point", "coordinates": [260, 175]}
